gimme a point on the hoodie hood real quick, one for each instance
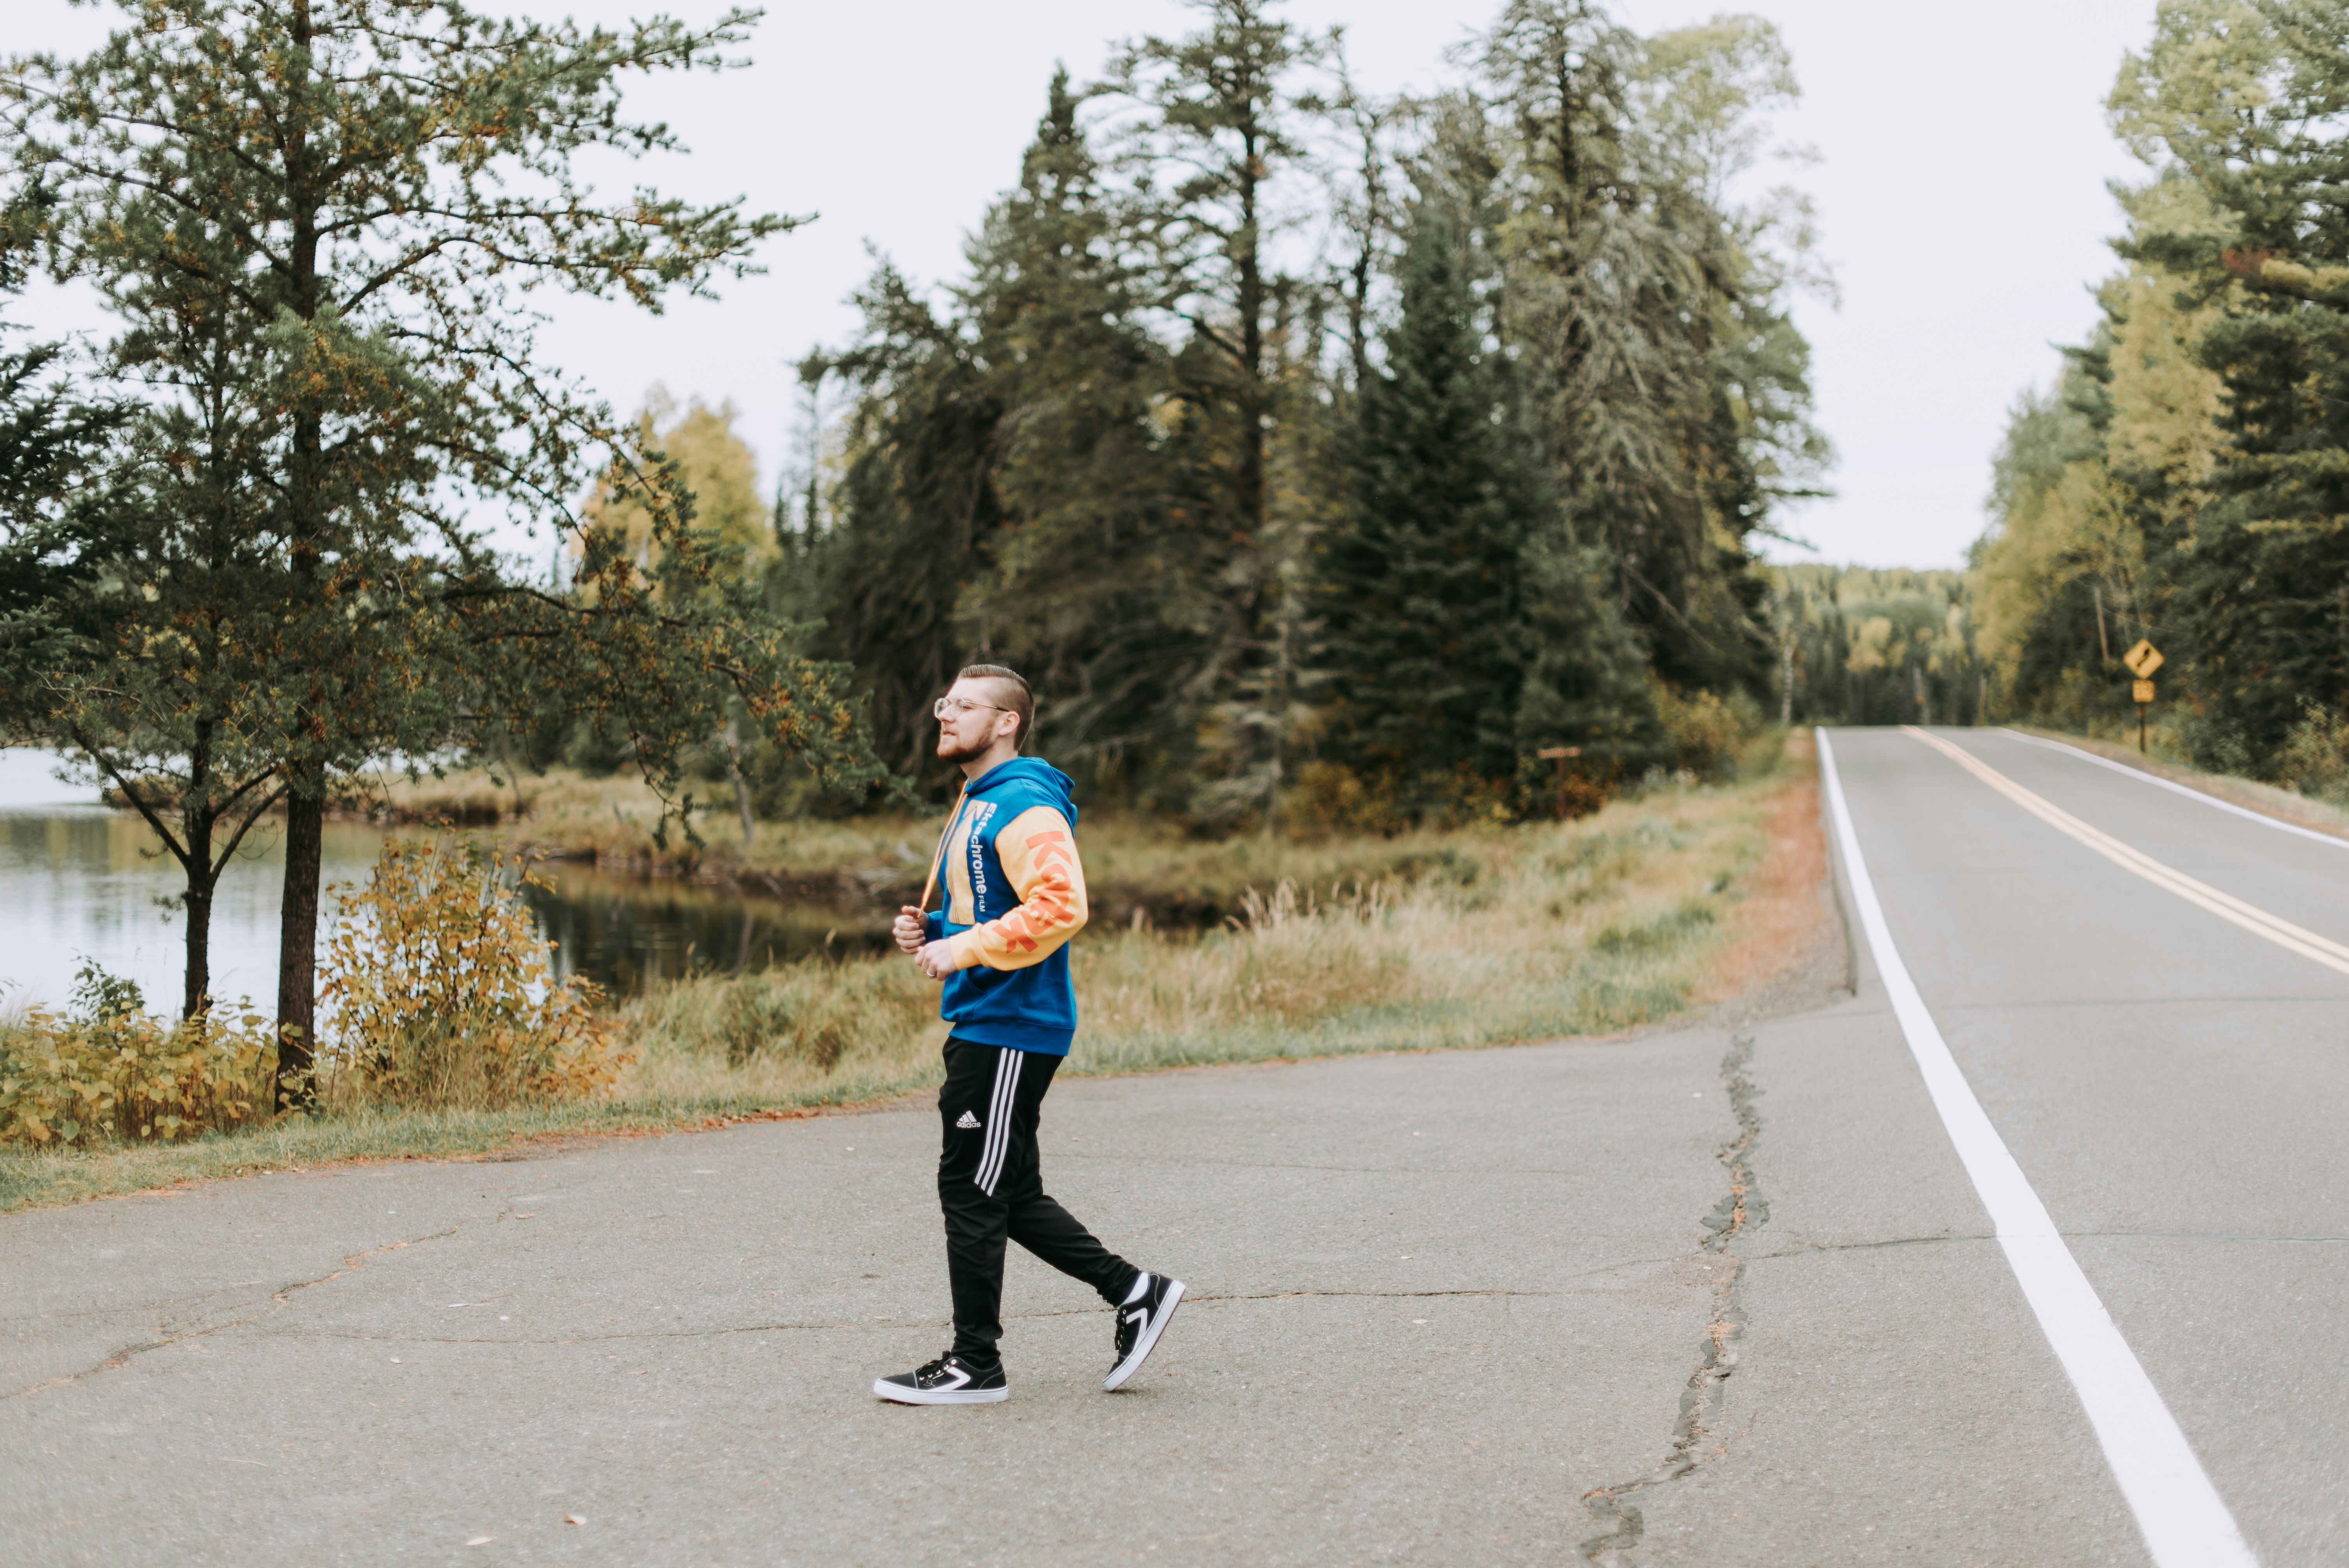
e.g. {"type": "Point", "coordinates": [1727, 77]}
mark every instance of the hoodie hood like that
{"type": "Point", "coordinates": [1034, 772]}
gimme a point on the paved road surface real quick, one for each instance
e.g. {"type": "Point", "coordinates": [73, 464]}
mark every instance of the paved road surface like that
{"type": "Point", "coordinates": [1494, 1307]}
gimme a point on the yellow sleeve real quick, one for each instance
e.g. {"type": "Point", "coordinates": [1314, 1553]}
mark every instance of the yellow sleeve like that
{"type": "Point", "coordinates": [1038, 851]}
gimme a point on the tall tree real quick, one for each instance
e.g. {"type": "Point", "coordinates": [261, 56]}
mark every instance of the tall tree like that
{"type": "Point", "coordinates": [319, 221]}
{"type": "Point", "coordinates": [1421, 610]}
{"type": "Point", "coordinates": [2242, 104]}
{"type": "Point", "coordinates": [917, 506]}
{"type": "Point", "coordinates": [1097, 585]}
{"type": "Point", "coordinates": [1670, 389]}
{"type": "Point", "coordinates": [51, 437]}
{"type": "Point", "coordinates": [1013, 489]}
{"type": "Point", "coordinates": [1215, 142]}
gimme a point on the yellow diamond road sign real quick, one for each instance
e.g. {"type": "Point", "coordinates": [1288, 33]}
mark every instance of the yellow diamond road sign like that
{"type": "Point", "coordinates": [2143, 659]}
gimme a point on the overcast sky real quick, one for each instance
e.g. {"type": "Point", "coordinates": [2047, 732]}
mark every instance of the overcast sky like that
{"type": "Point", "coordinates": [1962, 190]}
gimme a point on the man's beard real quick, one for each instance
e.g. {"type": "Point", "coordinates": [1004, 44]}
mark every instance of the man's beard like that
{"type": "Point", "coordinates": [958, 755]}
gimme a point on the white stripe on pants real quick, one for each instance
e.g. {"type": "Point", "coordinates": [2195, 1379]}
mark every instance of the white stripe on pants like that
{"type": "Point", "coordinates": [1000, 1110]}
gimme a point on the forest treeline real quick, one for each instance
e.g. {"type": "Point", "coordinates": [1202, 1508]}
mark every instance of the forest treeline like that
{"type": "Point", "coordinates": [1323, 456]}
{"type": "Point", "coordinates": [2185, 478]}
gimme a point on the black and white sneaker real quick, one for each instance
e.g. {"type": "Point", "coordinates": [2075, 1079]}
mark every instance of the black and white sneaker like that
{"type": "Point", "coordinates": [1141, 1321]}
{"type": "Point", "coordinates": [948, 1380]}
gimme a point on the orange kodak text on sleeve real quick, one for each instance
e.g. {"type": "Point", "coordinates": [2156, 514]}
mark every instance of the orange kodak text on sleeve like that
{"type": "Point", "coordinates": [1049, 903]}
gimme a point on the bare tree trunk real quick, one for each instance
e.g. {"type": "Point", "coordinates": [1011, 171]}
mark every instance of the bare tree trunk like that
{"type": "Point", "coordinates": [297, 943]}
{"type": "Point", "coordinates": [198, 907]}
{"type": "Point", "coordinates": [741, 785]}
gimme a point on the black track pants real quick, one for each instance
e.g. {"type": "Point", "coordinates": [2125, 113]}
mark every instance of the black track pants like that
{"type": "Point", "coordinates": [991, 1188]}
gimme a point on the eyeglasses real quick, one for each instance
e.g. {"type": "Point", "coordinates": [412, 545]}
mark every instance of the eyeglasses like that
{"type": "Point", "coordinates": [956, 706]}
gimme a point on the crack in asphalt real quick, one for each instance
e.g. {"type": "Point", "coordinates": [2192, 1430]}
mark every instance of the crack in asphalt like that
{"type": "Point", "coordinates": [1806, 1249]}
{"type": "Point", "coordinates": [1121, 1160]}
{"type": "Point", "coordinates": [719, 1331]}
{"type": "Point", "coordinates": [1742, 1209]}
{"type": "Point", "coordinates": [277, 1301]}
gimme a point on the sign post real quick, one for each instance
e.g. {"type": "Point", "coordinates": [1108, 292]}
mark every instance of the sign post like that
{"type": "Point", "coordinates": [2142, 661]}
{"type": "Point", "coordinates": [1559, 754]}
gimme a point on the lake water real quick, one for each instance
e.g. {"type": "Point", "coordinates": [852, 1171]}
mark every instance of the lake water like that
{"type": "Point", "coordinates": [80, 881]}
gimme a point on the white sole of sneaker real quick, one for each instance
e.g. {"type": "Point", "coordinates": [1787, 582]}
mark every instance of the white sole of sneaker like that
{"type": "Point", "coordinates": [1150, 1333]}
{"type": "Point", "coordinates": [898, 1394]}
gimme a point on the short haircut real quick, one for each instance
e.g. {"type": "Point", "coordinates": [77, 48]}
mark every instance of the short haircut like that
{"type": "Point", "coordinates": [1017, 697]}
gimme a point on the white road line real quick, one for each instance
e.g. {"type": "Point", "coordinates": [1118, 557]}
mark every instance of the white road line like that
{"type": "Point", "coordinates": [2225, 906]}
{"type": "Point", "coordinates": [2185, 1522]}
{"type": "Point", "coordinates": [2155, 780]}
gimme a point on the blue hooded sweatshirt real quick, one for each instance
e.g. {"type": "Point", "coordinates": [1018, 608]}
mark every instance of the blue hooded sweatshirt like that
{"type": "Point", "coordinates": [1015, 894]}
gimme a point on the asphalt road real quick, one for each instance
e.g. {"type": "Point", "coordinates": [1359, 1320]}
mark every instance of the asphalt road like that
{"type": "Point", "coordinates": [1726, 1295]}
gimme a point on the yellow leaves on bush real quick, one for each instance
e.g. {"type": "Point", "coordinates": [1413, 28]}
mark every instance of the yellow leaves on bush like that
{"type": "Point", "coordinates": [440, 992]}
{"type": "Point", "coordinates": [1707, 734]}
{"type": "Point", "coordinates": [2315, 758]}
{"type": "Point", "coordinates": [74, 1081]}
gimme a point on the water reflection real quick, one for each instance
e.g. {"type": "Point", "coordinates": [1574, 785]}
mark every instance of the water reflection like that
{"type": "Point", "coordinates": [629, 935]}
{"type": "Point", "coordinates": [80, 881]}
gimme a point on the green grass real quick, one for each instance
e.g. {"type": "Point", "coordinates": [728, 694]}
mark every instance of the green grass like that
{"type": "Point", "coordinates": [1433, 941]}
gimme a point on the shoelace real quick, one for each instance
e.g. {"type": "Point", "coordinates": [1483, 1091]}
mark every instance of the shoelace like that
{"type": "Point", "coordinates": [938, 1370]}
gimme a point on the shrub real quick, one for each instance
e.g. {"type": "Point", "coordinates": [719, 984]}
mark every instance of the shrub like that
{"type": "Point", "coordinates": [816, 1011]}
{"type": "Point", "coordinates": [440, 992]}
{"type": "Point", "coordinates": [1704, 733]}
{"type": "Point", "coordinates": [1329, 797]}
{"type": "Point", "coordinates": [2315, 759]}
{"type": "Point", "coordinates": [114, 1070]}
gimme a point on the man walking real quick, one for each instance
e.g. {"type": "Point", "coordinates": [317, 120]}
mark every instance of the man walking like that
{"type": "Point", "coordinates": [1015, 894]}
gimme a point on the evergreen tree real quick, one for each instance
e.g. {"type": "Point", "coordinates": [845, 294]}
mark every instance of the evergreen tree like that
{"type": "Point", "coordinates": [1667, 384]}
{"type": "Point", "coordinates": [917, 508]}
{"type": "Point", "coordinates": [1116, 459]}
{"type": "Point", "coordinates": [1220, 137]}
{"type": "Point", "coordinates": [1587, 681]}
{"type": "Point", "coordinates": [50, 440]}
{"type": "Point", "coordinates": [1423, 625]}
{"type": "Point", "coordinates": [1098, 588]}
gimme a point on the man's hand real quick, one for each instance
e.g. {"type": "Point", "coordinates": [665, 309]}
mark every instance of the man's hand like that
{"type": "Point", "coordinates": [907, 929]}
{"type": "Point", "coordinates": [935, 961]}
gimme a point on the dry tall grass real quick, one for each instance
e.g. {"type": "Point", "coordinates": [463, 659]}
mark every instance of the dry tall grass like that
{"type": "Point", "coordinates": [1474, 937]}
{"type": "Point", "coordinates": [1495, 935]}
{"type": "Point", "coordinates": [1133, 865]}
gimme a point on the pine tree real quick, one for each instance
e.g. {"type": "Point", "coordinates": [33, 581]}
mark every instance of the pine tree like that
{"type": "Point", "coordinates": [1095, 590]}
{"type": "Point", "coordinates": [1586, 682]}
{"type": "Point", "coordinates": [917, 509]}
{"type": "Point", "coordinates": [1421, 606]}
{"type": "Point", "coordinates": [1665, 380]}
{"type": "Point", "coordinates": [2240, 230]}
{"type": "Point", "coordinates": [51, 437]}
{"type": "Point", "coordinates": [1221, 136]}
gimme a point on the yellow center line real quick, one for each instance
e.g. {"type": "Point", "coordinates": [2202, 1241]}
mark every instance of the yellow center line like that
{"type": "Point", "coordinates": [2225, 906]}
